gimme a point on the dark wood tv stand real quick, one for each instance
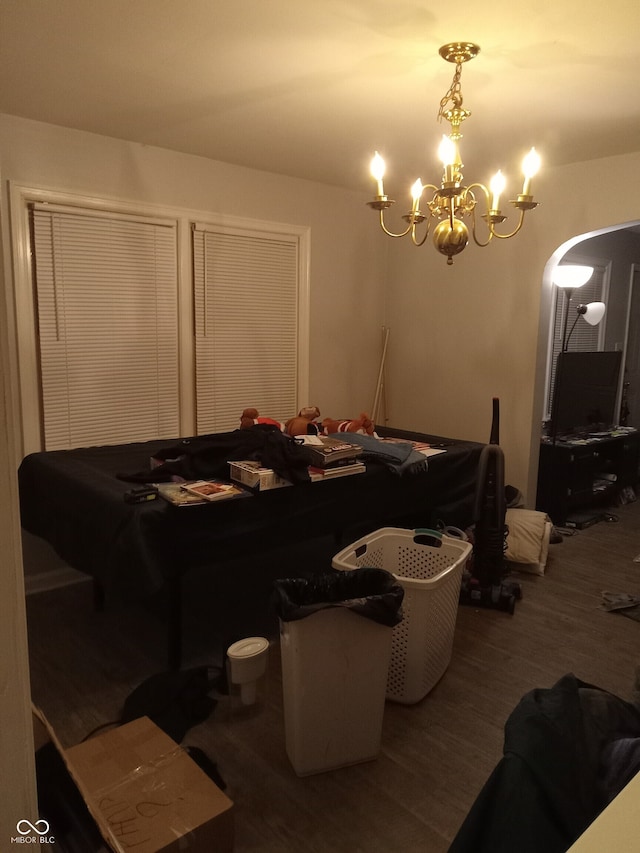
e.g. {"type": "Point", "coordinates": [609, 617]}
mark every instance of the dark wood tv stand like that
{"type": "Point", "coordinates": [577, 474]}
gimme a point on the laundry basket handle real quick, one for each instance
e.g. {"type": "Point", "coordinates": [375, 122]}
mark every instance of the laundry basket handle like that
{"type": "Point", "coordinates": [427, 536]}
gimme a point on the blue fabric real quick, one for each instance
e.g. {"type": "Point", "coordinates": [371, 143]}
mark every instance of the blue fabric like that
{"type": "Point", "coordinates": [397, 456]}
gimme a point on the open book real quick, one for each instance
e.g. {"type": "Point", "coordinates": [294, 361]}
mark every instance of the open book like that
{"type": "Point", "coordinates": [200, 492]}
{"type": "Point", "coordinates": [213, 490]}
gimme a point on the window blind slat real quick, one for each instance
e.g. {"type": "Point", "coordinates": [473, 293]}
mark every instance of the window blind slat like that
{"type": "Point", "coordinates": [106, 291]}
{"type": "Point", "coordinates": [246, 317]}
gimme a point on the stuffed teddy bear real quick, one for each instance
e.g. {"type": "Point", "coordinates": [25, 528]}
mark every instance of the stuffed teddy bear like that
{"type": "Point", "coordinates": [363, 425]}
{"type": "Point", "coordinates": [250, 418]}
{"type": "Point", "coordinates": [304, 423]}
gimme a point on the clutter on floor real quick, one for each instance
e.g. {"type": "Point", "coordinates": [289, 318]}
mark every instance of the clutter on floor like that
{"type": "Point", "coordinates": [528, 539]}
{"type": "Point", "coordinates": [568, 751]}
{"type": "Point", "coordinates": [623, 603]}
{"type": "Point", "coordinates": [132, 787]}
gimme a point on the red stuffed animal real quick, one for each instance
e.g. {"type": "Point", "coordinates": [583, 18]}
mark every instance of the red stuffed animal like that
{"type": "Point", "coordinates": [250, 417]}
{"type": "Point", "coordinates": [303, 424]}
{"type": "Point", "coordinates": [363, 425]}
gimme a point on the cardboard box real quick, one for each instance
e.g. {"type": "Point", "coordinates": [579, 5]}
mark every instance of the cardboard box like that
{"type": "Point", "coordinates": [253, 475]}
{"type": "Point", "coordinates": [144, 792]}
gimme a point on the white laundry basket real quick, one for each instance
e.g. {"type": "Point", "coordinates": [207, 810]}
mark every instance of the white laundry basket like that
{"type": "Point", "coordinates": [429, 567]}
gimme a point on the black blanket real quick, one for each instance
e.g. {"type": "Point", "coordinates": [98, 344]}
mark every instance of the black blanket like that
{"type": "Point", "coordinates": [208, 456]}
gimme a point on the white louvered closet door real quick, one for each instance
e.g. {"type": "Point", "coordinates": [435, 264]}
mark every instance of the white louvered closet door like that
{"type": "Point", "coordinates": [246, 324]}
{"type": "Point", "coordinates": [106, 290]}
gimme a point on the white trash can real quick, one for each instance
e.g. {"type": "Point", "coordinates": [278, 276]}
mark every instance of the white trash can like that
{"type": "Point", "coordinates": [335, 664]}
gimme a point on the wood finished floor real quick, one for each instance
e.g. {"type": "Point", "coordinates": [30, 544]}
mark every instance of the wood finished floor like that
{"type": "Point", "coordinates": [435, 755]}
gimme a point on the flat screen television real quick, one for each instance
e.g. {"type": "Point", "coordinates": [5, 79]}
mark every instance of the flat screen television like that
{"type": "Point", "coordinates": [585, 392]}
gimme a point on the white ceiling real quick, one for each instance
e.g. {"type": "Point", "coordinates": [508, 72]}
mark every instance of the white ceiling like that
{"type": "Point", "coordinates": [310, 89]}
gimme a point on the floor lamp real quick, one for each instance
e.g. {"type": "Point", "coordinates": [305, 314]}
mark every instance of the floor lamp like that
{"type": "Point", "coordinates": [592, 312]}
{"type": "Point", "coordinates": [569, 277]}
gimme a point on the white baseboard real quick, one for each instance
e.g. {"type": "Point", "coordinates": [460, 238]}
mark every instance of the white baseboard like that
{"type": "Point", "coordinates": [53, 579]}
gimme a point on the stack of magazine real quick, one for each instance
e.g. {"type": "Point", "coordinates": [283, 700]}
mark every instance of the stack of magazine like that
{"type": "Point", "coordinates": [333, 457]}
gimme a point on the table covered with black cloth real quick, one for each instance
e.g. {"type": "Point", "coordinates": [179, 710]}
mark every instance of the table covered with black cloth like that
{"type": "Point", "coordinates": [74, 500]}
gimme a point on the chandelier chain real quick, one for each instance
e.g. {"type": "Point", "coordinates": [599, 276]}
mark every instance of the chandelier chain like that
{"type": "Point", "coordinates": [454, 94]}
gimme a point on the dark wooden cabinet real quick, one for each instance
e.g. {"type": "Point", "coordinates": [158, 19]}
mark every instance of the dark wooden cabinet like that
{"type": "Point", "coordinates": [578, 475]}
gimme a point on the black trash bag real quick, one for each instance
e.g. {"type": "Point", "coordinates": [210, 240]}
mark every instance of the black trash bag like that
{"type": "Point", "coordinates": [373, 593]}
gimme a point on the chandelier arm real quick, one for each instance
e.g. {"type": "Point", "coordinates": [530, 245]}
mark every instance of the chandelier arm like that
{"type": "Point", "coordinates": [491, 225]}
{"type": "Point", "coordinates": [426, 233]}
{"type": "Point", "coordinates": [390, 233]}
{"type": "Point", "coordinates": [429, 217]}
{"type": "Point", "coordinates": [480, 187]}
{"type": "Point", "coordinates": [473, 230]}
{"type": "Point", "coordinates": [512, 233]}
{"type": "Point", "coordinates": [492, 234]}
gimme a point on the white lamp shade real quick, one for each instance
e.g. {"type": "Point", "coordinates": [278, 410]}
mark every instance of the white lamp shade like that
{"type": "Point", "coordinates": [594, 312]}
{"type": "Point", "coordinates": [571, 275]}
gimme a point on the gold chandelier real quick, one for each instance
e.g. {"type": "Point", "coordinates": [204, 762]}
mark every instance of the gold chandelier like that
{"type": "Point", "coordinates": [452, 201]}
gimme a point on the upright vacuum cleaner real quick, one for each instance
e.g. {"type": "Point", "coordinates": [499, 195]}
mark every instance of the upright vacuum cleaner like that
{"type": "Point", "coordinates": [485, 584]}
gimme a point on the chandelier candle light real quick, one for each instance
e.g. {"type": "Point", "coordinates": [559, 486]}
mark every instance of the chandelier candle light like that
{"type": "Point", "coordinates": [452, 201]}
